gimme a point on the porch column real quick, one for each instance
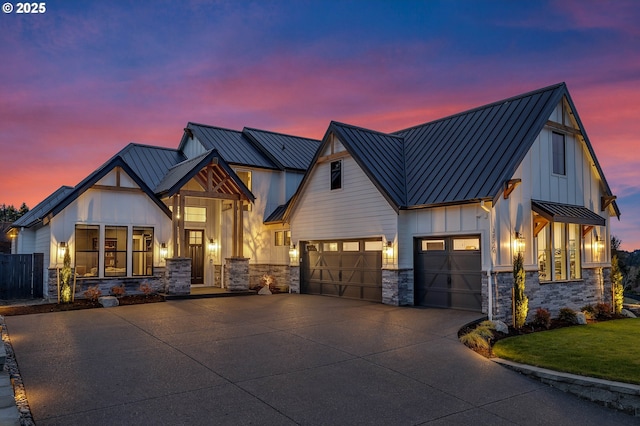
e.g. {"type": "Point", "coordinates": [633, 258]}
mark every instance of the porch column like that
{"type": "Point", "coordinates": [181, 233]}
{"type": "Point", "coordinates": [234, 238]}
{"type": "Point", "coordinates": [174, 223]}
{"type": "Point", "coordinates": [241, 229]}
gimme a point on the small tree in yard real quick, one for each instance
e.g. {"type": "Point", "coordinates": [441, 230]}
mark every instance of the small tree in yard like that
{"type": "Point", "coordinates": [616, 284]}
{"type": "Point", "coordinates": [65, 278]}
{"type": "Point", "coordinates": [521, 302]}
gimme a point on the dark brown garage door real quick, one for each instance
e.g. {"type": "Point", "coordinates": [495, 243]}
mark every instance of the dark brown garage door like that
{"type": "Point", "coordinates": [343, 268]}
{"type": "Point", "coordinates": [448, 272]}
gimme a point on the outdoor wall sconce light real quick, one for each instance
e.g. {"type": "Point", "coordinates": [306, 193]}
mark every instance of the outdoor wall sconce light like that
{"type": "Point", "coordinates": [293, 255]}
{"type": "Point", "coordinates": [518, 244]}
{"type": "Point", "coordinates": [163, 250]}
{"type": "Point", "coordinates": [388, 252]}
{"type": "Point", "coordinates": [62, 248]}
{"type": "Point", "coordinates": [598, 248]}
{"type": "Point", "coordinates": [213, 246]}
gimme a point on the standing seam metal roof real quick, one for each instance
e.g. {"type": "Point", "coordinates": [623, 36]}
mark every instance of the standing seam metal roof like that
{"type": "Point", "coordinates": [288, 152]}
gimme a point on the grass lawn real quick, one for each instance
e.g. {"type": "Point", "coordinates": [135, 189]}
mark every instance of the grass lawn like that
{"type": "Point", "coordinates": [607, 350]}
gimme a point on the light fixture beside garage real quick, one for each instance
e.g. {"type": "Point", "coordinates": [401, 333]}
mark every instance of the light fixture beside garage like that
{"type": "Point", "coordinates": [293, 255]}
{"type": "Point", "coordinates": [389, 254]}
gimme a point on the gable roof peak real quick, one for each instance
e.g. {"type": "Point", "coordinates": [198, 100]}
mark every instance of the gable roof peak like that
{"type": "Point", "coordinates": [363, 129]}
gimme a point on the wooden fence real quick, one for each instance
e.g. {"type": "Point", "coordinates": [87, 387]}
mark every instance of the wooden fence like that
{"type": "Point", "coordinates": [21, 276]}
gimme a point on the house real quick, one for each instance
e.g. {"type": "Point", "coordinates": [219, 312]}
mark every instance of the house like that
{"type": "Point", "coordinates": [432, 215]}
{"type": "Point", "coordinates": [151, 214]}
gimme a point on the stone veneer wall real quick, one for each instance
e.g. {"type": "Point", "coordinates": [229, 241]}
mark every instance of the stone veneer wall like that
{"type": "Point", "coordinates": [294, 279]}
{"type": "Point", "coordinates": [281, 273]}
{"type": "Point", "coordinates": [594, 287]}
{"type": "Point", "coordinates": [397, 287]}
{"type": "Point", "coordinates": [177, 279]}
{"type": "Point", "coordinates": [236, 274]}
{"type": "Point", "coordinates": [131, 284]}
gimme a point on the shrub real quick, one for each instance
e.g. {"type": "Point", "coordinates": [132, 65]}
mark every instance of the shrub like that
{"type": "Point", "coordinates": [603, 311]}
{"type": "Point", "coordinates": [146, 289]}
{"type": "Point", "coordinates": [521, 301]}
{"type": "Point", "coordinates": [616, 284]}
{"type": "Point", "coordinates": [567, 315]}
{"type": "Point", "coordinates": [542, 318]}
{"type": "Point", "coordinates": [589, 311]}
{"type": "Point", "coordinates": [92, 293]}
{"type": "Point", "coordinates": [479, 337]}
{"type": "Point", "coordinates": [118, 290]}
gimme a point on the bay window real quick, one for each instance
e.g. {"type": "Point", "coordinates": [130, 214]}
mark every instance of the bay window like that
{"type": "Point", "coordinates": [559, 252]}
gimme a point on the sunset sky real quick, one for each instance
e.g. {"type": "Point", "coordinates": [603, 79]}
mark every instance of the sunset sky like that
{"type": "Point", "coordinates": [81, 80]}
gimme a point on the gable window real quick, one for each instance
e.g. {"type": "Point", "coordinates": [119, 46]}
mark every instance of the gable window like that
{"type": "Point", "coordinates": [559, 252]}
{"type": "Point", "coordinates": [336, 174]}
{"type": "Point", "coordinates": [115, 251]}
{"type": "Point", "coordinates": [245, 177]}
{"type": "Point", "coordinates": [142, 251]}
{"type": "Point", "coordinates": [558, 152]}
{"type": "Point", "coordinates": [87, 250]}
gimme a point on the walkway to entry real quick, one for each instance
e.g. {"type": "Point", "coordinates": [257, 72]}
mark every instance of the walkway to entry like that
{"type": "Point", "coordinates": [280, 359]}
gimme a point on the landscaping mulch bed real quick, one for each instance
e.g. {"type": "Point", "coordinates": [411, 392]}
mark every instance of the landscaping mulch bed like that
{"type": "Point", "coordinates": [26, 309]}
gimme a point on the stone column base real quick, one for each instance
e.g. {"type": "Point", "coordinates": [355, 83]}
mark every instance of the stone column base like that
{"type": "Point", "coordinates": [236, 274]}
{"type": "Point", "coordinates": [294, 279]}
{"type": "Point", "coordinates": [178, 276]}
{"type": "Point", "coordinates": [397, 287]}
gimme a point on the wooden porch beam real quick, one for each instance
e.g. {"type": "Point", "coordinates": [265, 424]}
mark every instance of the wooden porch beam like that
{"type": "Point", "coordinates": [207, 194]}
{"type": "Point", "coordinates": [510, 185]}
{"type": "Point", "coordinates": [332, 157]}
{"type": "Point", "coordinates": [564, 129]}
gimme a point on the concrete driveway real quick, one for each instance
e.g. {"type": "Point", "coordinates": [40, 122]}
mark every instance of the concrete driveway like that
{"type": "Point", "coordinates": [281, 359]}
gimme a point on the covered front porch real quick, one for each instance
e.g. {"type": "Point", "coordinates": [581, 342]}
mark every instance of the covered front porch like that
{"type": "Point", "coordinates": [207, 200]}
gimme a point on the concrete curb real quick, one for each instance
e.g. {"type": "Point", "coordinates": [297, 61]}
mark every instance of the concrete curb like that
{"type": "Point", "coordinates": [620, 396]}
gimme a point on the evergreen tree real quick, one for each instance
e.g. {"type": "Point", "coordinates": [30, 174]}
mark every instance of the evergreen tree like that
{"type": "Point", "coordinates": [521, 301]}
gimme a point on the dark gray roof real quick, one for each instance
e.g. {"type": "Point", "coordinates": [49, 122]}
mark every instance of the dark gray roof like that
{"type": "Point", "coordinates": [286, 151]}
{"type": "Point", "coordinates": [178, 172]}
{"type": "Point", "coordinates": [380, 155]}
{"type": "Point", "coordinates": [567, 213]}
{"type": "Point", "coordinates": [151, 163]}
{"type": "Point", "coordinates": [277, 216]}
{"type": "Point", "coordinates": [234, 147]}
{"type": "Point", "coordinates": [466, 157]}
{"type": "Point", "coordinates": [36, 214]}
{"type": "Point", "coordinates": [469, 156]}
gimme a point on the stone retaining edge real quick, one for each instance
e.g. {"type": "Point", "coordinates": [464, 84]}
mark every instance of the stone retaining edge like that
{"type": "Point", "coordinates": [623, 397]}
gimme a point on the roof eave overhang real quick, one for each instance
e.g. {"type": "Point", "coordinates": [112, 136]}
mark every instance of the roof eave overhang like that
{"type": "Point", "coordinates": [582, 216]}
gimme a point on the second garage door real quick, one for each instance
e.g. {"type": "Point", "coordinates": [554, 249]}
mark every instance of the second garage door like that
{"type": "Point", "coordinates": [448, 272]}
{"type": "Point", "coordinates": [343, 268]}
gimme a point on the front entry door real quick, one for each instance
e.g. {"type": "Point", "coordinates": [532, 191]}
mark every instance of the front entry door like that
{"type": "Point", "coordinates": [195, 248]}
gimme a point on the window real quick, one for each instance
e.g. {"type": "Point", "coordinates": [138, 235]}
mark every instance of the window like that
{"type": "Point", "coordinates": [245, 177]}
{"type": "Point", "coordinates": [283, 238]}
{"type": "Point", "coordinates": [373, 245]}
{"type": "Point", "coordinates": [559, 252]}
{"type": "Point", "coordinates": [115, 251]}
{"type": "Point", "coordinates": [142, 252]}
{"type": "Point", "coordinates": [432, 245]}
{"type": "Point", "coordinates": [558, 148]}
{"type": "Point", "coordinates": [195, 214]}
{"type": "Point", "coordinates": [466, 244]}
{"type": "Point", "coordinates": [351, 246]}
{"type": "Point", "coordinates": [87, 244]}
{"type": "Point", "coordinates": [336, 174]}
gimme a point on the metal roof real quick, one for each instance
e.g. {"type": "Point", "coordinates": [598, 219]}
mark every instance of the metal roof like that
{"type": "Point", "coordinates": [234, 147]}
{"type": "Point", "coordinates": [286, 151]}
{"type": "Point", "coordinates": [469, 156]}
{"type": "Point", "coordinates": [277, 216]}
{"type": "Point", "coordinates": [151, 163]}
{"type": "Point", "coordinates": [380, 155]}
{"type": "Point", "coordinates": [567, 213]}
{"type": "Point", "coordinates": [36, 214]}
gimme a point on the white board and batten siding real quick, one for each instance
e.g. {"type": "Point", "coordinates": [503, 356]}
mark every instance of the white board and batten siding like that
{"type": "Point", "coordinates": [357, 210]}
{"type": "Point", "coordinates": [193, 148]}
{"type": "Point", "coordinates": [580, 186]}
{"type": "Point", "coordinates": [109, 208]}
{"type": "Point", "coordinates": [466, 219]}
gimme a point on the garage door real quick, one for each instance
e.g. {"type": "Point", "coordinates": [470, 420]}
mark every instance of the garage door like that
{"type": "Point", "coordinates": [448, 272]}
{"type": "Point", "coordinates": [344, 268]}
